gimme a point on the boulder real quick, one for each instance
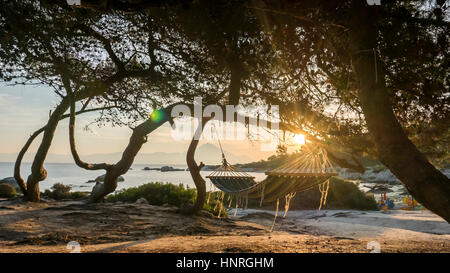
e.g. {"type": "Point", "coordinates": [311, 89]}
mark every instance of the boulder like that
{"type": "Point", "coordinates": [151, 169]}
{"type": "Point", "coordinates": [170, 169]}
{"type": "Point", "coordinates": [101, 178]}
{"type": "Point", "coordinates": [98, 187]}
{"type": "Point", "coordinates": [141, 200]}
{"type": "Point", "coordinates": [10, 181]}
{"type": "Point", "coordinates": [166, 168]}
{"type": "Point", "coordinates": [7, 191]}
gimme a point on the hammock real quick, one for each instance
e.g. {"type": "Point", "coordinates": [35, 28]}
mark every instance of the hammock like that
{"type": "Point", "coordinates": [312, 168]}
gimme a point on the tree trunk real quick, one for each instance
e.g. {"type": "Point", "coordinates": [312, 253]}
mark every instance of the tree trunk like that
{"type": "Point", "coordinates": [38, 172]}
{"type": "Point", "coordinates": [20, 156]}
{"type": "Point", "coordinates": [428, 185]}
{"type": "Point", "coordinates": [18, 163]}
{"type": "Point", "coordinates": [235, 80]}
{"type": "Point", "coordinates": [109, 185]}
{"type": "Point", "coordinates": [195, 169]}
{"type": "Point", "coordinates": [137, 139]}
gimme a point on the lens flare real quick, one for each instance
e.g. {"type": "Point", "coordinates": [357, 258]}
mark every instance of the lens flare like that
{"type": "Point", "coordinates": [157, 116]}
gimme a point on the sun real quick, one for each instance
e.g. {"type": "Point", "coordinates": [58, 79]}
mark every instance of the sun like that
{"type": "Point", "coordinates": [300, 139]}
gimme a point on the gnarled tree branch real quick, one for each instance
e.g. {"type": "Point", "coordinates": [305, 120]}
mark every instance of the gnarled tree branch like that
{"type": "Point", "coordinates": [73, 149]}
{"type": "Point", "coordinates": [195, 169]}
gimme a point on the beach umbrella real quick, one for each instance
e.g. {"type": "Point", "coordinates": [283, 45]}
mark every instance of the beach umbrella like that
{"type": "Point", "coordinates": [379, 190]}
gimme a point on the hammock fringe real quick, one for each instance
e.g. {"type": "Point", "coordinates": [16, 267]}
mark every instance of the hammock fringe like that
{"type": "Point", "coordinates": [276, 214]}
{"type": "Point", "coordinates": [323, 188]}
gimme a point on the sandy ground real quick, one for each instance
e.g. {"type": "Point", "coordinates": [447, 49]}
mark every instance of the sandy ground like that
{"type": "Point", "coordinates": [49, 227]}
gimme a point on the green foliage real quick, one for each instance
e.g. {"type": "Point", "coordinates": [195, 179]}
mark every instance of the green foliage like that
{"type": "Point", "coordinates": [60, 191]}
{"type": "Point", "coordinates": [7, 191]}
{"type": "Point", "coordinates": [157, 193]}
{"type": "Point", "coordinates": [346, 195]}
{"type": "Point", "coordinates": [78, 195]}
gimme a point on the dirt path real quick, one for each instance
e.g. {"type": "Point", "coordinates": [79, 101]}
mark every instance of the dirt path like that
{"type": "Point", "coordinates": [48, 227]}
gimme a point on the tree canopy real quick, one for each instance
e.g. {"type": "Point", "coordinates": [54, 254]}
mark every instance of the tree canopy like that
{"type": "Point", "coordinates": [364, 79]}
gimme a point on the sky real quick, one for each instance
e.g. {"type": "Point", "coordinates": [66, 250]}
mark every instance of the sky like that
{"type": "Point", "coordinates": [24, 109]}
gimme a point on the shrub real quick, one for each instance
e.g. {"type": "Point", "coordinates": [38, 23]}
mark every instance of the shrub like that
{"type": "Point", "coordinates": [78, 195]}
{"type": "Point", "coordinates": [60, 191]}
{"type": "Point", "coordinates": [157, 193]}
{"type": "Point", "coordinates": [347, 195]}
{"type": "Point", "coordinates": [7, 191]}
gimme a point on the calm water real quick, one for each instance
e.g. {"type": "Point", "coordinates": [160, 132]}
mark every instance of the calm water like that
{"type": "Point", "coordinates": [70, 174]}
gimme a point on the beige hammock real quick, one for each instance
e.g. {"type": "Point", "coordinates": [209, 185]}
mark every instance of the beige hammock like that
{"type": "Point", "coordinates": [312, 168]}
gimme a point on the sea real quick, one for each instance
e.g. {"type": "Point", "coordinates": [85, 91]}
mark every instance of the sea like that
{"type": "Point", "coordinates": [77, 178]}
